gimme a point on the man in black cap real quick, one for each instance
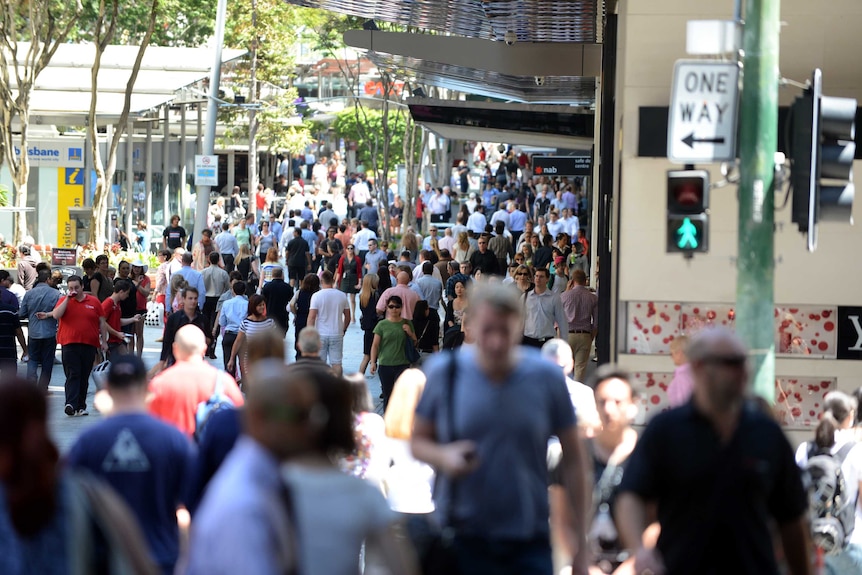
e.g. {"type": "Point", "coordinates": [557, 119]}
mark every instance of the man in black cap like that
{"type": "Point", "coordinates": [148, 463]}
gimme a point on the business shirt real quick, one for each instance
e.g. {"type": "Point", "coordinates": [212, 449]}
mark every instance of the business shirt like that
{"type": "Point", "coordinates": [361, 239]}
{"type": "Point", "coordinates": [310, 238]}
{"type": "Point", "coordinates": [194, 279]}
{"type": "Point", "coordinates": [581, 307]}
{"type": "Point", "coordinates": [543, 310]}
{"type": "Point", "coordinates": [41, 298]}
{"type": "Point", "coordinates": [408, 299]}
{"type": "Point", "coordinates": [245, 494]}
{"type": "Point", "coordinates": [476, 222]}
{"type": "Point", "coordinates": [430, 289]}
{"type": "Point", "coordinates": [233, 312]}
{"type": "Point", "coordinates": [227, 243]}
{"type": "Point", "coordinates": [373, 259]}
{"type": "Point", "coordinates": [216, 280]}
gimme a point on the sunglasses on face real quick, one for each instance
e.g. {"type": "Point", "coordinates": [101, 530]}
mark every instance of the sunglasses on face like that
{"type": "Point", "coordinates": [390, 306]}
{"type": "Point", "coordinates": [350, 249]}
{"type": "Point", "coordinates": [522, 274]}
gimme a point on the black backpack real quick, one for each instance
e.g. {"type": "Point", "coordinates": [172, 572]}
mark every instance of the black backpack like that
{"type": "Point", "coordinates": [833, 513]}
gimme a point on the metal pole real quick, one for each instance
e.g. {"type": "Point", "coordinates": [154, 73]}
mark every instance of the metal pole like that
{"type": "Point", "coordinates": [184, 162]}
{"type": "Point", "coordinates": [252, 120]}
{"type": "Point", "coordinates": [203, 192]}
{"type": "Point", "coordinates": [758, 121]}
{"type": "Point", "coordinates": [148, 181]}
{"type": "Point", "coordinates": [166, 168]}
{"type": "Point", "coordinates": [130, 182]}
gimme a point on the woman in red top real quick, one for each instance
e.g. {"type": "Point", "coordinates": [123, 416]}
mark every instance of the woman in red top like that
{"type": "Point", "coordinates": [142, 282]}
{"type": "Point", "coordinates": [348, 276]}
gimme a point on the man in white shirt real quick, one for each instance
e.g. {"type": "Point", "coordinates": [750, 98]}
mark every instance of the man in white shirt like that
{"type": "Point", "coordinates": [424, 257]}
{"type": "Point", "coordinates": [447, 242]}
{"type": "Point", "coordinates": [437, 206]}
{"type": "Point", "coordinates": [555, 226]}
{"type": "Point", "coordinates": [432, 235]}
{"type": "Point", "coordinates": [477, 221]}
{"type": "Point", "coordinates": [559, 352]}
{"type": "Point", "coordinates": [330, 314]}
{"type": "Point", "coordinates": [361, 239]}
{"type": "Point", "coordinates": [571, 225]}
{"type": "Point", "coordinates": [501, 215]}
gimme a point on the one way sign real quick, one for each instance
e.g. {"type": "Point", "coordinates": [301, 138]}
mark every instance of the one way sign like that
{"type": "Point", "coordinates": [703, 112]}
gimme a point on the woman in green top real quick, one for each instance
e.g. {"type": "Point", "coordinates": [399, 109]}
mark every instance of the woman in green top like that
{"type": "Point", "coordinates": [390, 338]}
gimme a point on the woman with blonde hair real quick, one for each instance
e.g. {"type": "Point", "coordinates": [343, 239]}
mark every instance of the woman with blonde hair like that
{"type": "Point", "coordinates": [368, 299]}
{"type": "Point", "coordinates": [178, 284]}
{"type": "Point", "coordinates": [245, 263]}
{"type": "Point", "coordinates": [407, 483]}
{"type": "Point", "coordinates": [411, 244]}
{"type": "Point", "coordinates": [268, 266]}
{"type": "Point", "coordinates": [463, 249]}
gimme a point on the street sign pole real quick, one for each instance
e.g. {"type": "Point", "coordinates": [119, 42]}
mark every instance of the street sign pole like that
{"type": "Point", "coordinates": [758, 141]}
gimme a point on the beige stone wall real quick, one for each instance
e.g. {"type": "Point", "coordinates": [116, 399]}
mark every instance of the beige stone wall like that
{"type": "Point", "coordinates": [652, 37]}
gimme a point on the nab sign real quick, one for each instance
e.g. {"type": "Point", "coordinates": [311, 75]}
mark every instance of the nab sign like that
{"type": "Point", "coordinates": [562, 166]}
{"type": "Point", "coordinates": [703, 111]}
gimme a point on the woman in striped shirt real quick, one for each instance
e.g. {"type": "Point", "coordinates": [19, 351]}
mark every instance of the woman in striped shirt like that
{"type": "Point", "coordinates": [256, 322]}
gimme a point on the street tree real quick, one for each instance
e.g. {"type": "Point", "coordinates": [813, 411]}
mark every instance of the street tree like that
{"type": "Point", "coordinates": [105, 27]}
{"type": "Point", "coordinates": [30, 33]}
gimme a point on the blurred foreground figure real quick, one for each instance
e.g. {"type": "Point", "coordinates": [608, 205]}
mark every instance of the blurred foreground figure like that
{"type": "Point", "coordinates": [54, 521]}
{"type": "Point", "coordinates": [305, 516]}
{"type": "Point", "coordinates": [719, 470]}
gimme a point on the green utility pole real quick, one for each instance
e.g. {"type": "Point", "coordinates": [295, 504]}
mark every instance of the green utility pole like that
{"type": "Point", "coordinates": [758, 142]}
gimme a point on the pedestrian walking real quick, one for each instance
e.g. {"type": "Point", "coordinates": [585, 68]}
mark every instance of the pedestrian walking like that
{"type": "Point", "coordinates": [42, 333]}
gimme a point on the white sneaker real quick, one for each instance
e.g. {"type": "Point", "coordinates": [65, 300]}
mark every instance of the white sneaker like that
{"type": "Point", "coordinates": [81, 413]}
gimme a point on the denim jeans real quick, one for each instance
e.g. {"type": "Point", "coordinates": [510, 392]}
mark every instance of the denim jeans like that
{"type": "Point", "coordinates": [504, 556]}
{"type": "Point", "coordinates": [41, 352]}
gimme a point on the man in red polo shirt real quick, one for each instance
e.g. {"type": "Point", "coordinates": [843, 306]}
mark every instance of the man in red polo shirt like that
{"type": "Point", "coordinates": [82, 331]}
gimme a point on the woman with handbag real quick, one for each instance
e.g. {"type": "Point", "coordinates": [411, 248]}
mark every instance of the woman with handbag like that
{"type": "Point", "coordinates": [368, 298]}
{"type": "Point", "coordinates": [389, 348]}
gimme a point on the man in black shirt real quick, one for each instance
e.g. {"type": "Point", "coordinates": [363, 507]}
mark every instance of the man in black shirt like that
{"type": "Point", "coordinates": [277, 294]}
{"type": "Point", "coordinates": [545, 254]}
{"type": "Point", "coordinates": [190, 314]}
{"type": "Point", "coordinates": [174, 235]}
{"type": "Point", "coordinates": [298, 258]}
{"type": "Point", "coordinates": [719, 470]}
{"type": "Point", "coordinates": [484, 259]}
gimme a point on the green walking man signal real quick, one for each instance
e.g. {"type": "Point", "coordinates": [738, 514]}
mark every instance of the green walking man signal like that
{"type": "Point", "coordinates": [687, 211]}
{"type": "Point", "coordinates": [687, 233]}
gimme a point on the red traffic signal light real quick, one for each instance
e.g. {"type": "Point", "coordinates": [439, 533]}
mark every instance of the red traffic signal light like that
{"type": "Point", "coordinates": [687, 191]}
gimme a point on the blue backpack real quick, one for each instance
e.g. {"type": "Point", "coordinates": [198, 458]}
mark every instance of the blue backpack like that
{"type": "Point", "coordinates": [218, 401]}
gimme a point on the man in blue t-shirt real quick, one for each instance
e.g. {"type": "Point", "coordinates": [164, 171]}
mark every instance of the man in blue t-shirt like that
{"type": "Point", "coordinates": [484, 421]}
{"type": "Point", "coordinates": [147, 462]}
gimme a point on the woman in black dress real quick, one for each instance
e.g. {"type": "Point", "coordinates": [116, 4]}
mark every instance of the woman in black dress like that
{"type": "Point", "coordinates": [368, 298]}
{"type": "Point", "coordinates": [301, 305]}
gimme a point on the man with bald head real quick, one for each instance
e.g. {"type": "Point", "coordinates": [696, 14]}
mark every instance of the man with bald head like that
{"type": "Point", "coordinates": [177, 391]}
{"type": "Point", "coordinates": [719, 471]}
{"type": "Point", "coordinates": [402, 290]}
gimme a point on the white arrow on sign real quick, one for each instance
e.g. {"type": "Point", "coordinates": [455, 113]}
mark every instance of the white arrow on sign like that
{"type": "Point", "coordinates": [703, 109]}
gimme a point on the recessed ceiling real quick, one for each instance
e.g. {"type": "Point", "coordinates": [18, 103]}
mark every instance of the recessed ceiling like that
{"type": "Point", "coordinates": [531, 20]}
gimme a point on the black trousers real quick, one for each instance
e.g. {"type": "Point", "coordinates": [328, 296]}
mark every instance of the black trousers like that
{"type": "Point", "coordinates": [78, 361]}
{"type": "Point", "coordinates": [228, 262]}
{"type": "Point", "coordinates": [210, 312]}
{"type": "Point", "coordinates": [533, 342]}
{"type": "Point", "coordinates": [227, 342]}
{"type": "Point", "coordinates": [388, 376]}
{"type": "Point", "coordinates": [41, 352]}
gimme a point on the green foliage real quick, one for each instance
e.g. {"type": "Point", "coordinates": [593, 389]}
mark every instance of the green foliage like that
{"type": "Point", "coordinates": [276, 21]}
{"type": "Point", "coordinates": [4, 197]}
{"type": "Point", "coordinates": [277, 128]}
{"type": "Point", "coordinates": [364, 127]}
{"type": "Point", "coordinates": [179, 22]}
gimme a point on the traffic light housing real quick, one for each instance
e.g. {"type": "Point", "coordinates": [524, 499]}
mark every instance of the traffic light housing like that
{"type": "Point", "coordinates": [822, 149]}
{"type": "Point", "coordinates": [687, 211]}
